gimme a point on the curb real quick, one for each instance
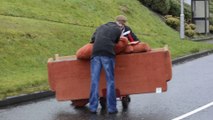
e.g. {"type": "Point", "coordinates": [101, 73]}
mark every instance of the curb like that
{"type": "Point", "coordinates": [25, 98]}
{"type": "Point", "coordinates": [44, 94]}
{"type": "Point", "coordinates": [191, 57]}
{"type": "Point", "coordinates": [202, 39]}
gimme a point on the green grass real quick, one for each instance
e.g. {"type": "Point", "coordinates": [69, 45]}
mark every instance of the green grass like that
{"type": "Point", "coordinates": [31, 31]}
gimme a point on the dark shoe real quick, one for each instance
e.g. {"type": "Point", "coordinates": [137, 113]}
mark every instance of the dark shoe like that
{"type": "Point", "coordinates": [93, 112]}
{"type": "Point", "coordinates": [103, 103]}
{"type": "Point", "coordinates": [113, 112]}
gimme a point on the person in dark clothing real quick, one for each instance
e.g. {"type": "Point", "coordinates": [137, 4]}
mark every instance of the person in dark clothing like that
{"type": "Point", "coordinates": [104, 39]}
{"type": "Point", "coordinates": [127, 31]}
{"type": "Point", "coordinates": [131, 36]}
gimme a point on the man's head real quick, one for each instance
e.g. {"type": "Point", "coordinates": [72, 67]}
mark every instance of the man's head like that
{"type": "Point", "coordinates": [121, 19]}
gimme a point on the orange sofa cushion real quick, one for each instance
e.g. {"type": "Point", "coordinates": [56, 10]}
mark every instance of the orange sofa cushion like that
{"type": "Point", "coordinates": [121, 45]}
{"type": "Point", "coordinates": [85, 52]}
{"type": "Point", "coordinates": [141, 47]}
{"type": "Point", "coordinates": [128, 49]}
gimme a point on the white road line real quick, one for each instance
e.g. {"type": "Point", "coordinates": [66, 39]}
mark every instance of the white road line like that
{"type": "Point", "coordinates": [193, 112]}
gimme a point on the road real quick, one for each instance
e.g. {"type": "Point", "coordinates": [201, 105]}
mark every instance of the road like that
{"type": "Point", "coordinates": [209, 41]}
{"type": "Point", "coordinates": [188, 92]}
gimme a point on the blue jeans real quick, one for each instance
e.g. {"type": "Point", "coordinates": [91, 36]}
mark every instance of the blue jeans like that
{"type": "Point", "coordinates": [108, 64]}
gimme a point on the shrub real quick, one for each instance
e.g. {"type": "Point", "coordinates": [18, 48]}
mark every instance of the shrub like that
{"type": "Point", "coordinates": [211, 28]}
{"type": "Point", "coordinates": [175, 8]}
{"type": "Point", "coordinates": [187, 27]}
{"type": "Point", "coordinates": [190, 33]}
{"type": "Point", "coordinates": [211, 20]}
{"type": "Point", "coordinates": [187, 12]}
{"type": "Point", "coordinates": [168, 7]}
{"type": "Point", "coordinates": [168, 16]}
{"type": "Point", "coordinates": [173, 22]}
{"type": "Point", "coordinates": [161, 6]}
{"type": "Point", "coordinates": [147, 3]}
{"type": "Point", "coordinates": [192, 26]}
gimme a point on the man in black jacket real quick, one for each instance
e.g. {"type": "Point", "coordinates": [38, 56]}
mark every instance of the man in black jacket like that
{"type": "Point", "coordinates": [103, 55]}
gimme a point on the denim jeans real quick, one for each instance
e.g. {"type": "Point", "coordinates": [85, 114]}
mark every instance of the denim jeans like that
{"type": "Point", "coordinates": [108, 64]}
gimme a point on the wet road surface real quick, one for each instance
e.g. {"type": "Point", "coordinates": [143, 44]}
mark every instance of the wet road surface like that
{"type": "Point", "coordinates": [190, 88]}
{"type": "Point", "coordinates": [209, 41]}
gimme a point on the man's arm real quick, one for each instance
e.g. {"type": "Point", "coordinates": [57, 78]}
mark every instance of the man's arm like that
{"type": "Point", "coordinates": [118, 36]}
{"type": "Point", "coordinates": [93, 36]}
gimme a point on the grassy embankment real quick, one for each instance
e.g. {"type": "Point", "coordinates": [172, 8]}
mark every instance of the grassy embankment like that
{"type": "Point", "coordinates": [31, 31]}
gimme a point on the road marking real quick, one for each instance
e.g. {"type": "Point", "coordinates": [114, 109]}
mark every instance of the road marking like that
{"type": "Point", "coordinates": [193, 112]}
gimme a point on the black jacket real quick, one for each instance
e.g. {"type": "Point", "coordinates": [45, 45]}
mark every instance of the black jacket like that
{"type": "Point", "coordinates": [105, 38]}
{"type": "Point", "coordinates": [131, 36]}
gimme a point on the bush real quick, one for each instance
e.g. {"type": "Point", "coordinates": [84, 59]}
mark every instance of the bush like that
{"type": "Point", "coordinates": [175, 9]}
{"type": "Point", "coordinates": [171, 7]}
{"type": "Point", "coordinates": [187, 12]}
{"type": "Point", "coordinates": [192, 26]}
{"type": "Point", "coordinates": [168, 16]}
{"type": "Point", "coordinates": [211, 28]}
{"type": "Point", "coordinates": [190, 33]}
{"type": "Point", "coordinates": [211, 20]}
{"type": "Point", "coordinates": [147, 3]}
{"type": "Point", "coordinates": [187, 27]}
{"type": "Point", "coordinates": [173, 22]}
{"type": "Point", "coordinates": [161, 6]}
